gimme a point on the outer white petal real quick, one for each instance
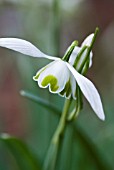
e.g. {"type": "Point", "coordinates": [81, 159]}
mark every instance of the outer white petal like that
{"type": "Point", "coordinates": [60, 71]}
{"type": "Point", "coordinates": [74, 54]}
{"type": "Point", "coordinates": [88, 40]}
{"type": "Point", "coordinates": [73, 86]}
{"type": "Point", "coordinates": [91, 56]}
{"type": "Point", "coordinates": [23, 47]}
{"type": "Point", "coordinates": [83, 56]}
{"type": "Point", "coordinates": [89, 91]}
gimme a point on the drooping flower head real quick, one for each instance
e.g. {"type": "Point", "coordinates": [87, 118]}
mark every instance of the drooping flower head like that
{"type": "Point", "coordinates": [63, 75]}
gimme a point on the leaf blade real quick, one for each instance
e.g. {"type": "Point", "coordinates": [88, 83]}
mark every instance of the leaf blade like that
{"type": "Point", "coordinates": [21, 153]}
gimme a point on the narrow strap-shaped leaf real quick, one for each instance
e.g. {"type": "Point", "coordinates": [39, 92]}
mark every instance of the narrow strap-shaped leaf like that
{"type": "Point", "coordinates": [21, 153]}
{"type": "Point", "coordinates": [40, 101]}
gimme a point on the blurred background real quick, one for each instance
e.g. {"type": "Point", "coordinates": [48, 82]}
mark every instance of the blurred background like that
{"type": "Point", "coordinates": [52, 25]}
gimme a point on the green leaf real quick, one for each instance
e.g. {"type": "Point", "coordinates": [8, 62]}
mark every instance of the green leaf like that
{"type": "Point", "coordinates": [21, 153]}
{"type": "Point", "coordinates": [40, 101]}
{"type": "Point", "coordinates": [86, 142]}
{"type": "Point", "coordinates": [100, 161]}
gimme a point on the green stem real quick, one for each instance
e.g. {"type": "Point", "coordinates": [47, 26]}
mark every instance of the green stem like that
{"type": "Point", "coordinates": [62, 123]}
{"type": "Point", "coordinates": [53, 151]}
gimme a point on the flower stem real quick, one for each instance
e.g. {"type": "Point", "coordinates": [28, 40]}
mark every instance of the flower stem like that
{"type": "Point", "coordinates": [50, 162]}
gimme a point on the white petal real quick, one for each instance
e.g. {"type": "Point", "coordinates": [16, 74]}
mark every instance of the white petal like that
{"type": "Point", "coordinates": [35, 78]}
{"type": "Point", "coordinates": [74, 54]}
{"type": "Point", "coordinates": [84, 55]}
{"type": "Point", "coordinates": [88, 40]}
{"type": "Point", "coordinates": [23, 47]}
{"type": "Point", "coordinates": [90, 62]}
{"type": "Point", "coordinates": [77, 49]}
{"type": "Point", "coordinates": [70, 88]}
{"type": "Point", "coordinates": [66, 92]}
{"type": "Point", "coordinates": [55, 76]}
{"type": "Point", "coordinates": [89, 91]}
{"type": "Point", "coordinates": [73, 86]}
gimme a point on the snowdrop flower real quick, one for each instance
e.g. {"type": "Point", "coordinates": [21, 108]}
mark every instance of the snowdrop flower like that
{"type": "Point", "coordinates": [60, 76]}
{"type": "Point", "coordinates": [86, 42]}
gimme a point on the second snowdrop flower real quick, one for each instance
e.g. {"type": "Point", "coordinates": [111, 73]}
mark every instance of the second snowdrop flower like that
{"type": "Point", "coordinates": [61, 75]}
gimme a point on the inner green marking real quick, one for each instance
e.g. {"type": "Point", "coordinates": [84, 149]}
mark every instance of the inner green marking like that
{"type": "Point", "coordinates": [38, 74]}
{"type": "Point", "coordinates": [67, 89]}
{"type": "Point", "coordinates": [52, 80]}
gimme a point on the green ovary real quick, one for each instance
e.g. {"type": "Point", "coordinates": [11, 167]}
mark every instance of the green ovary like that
{"type": "Point", "coordinates": [52, 80]}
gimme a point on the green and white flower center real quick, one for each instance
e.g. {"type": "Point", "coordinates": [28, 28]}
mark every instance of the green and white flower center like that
{"type": "Point", "coordinates": [58, 78]}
